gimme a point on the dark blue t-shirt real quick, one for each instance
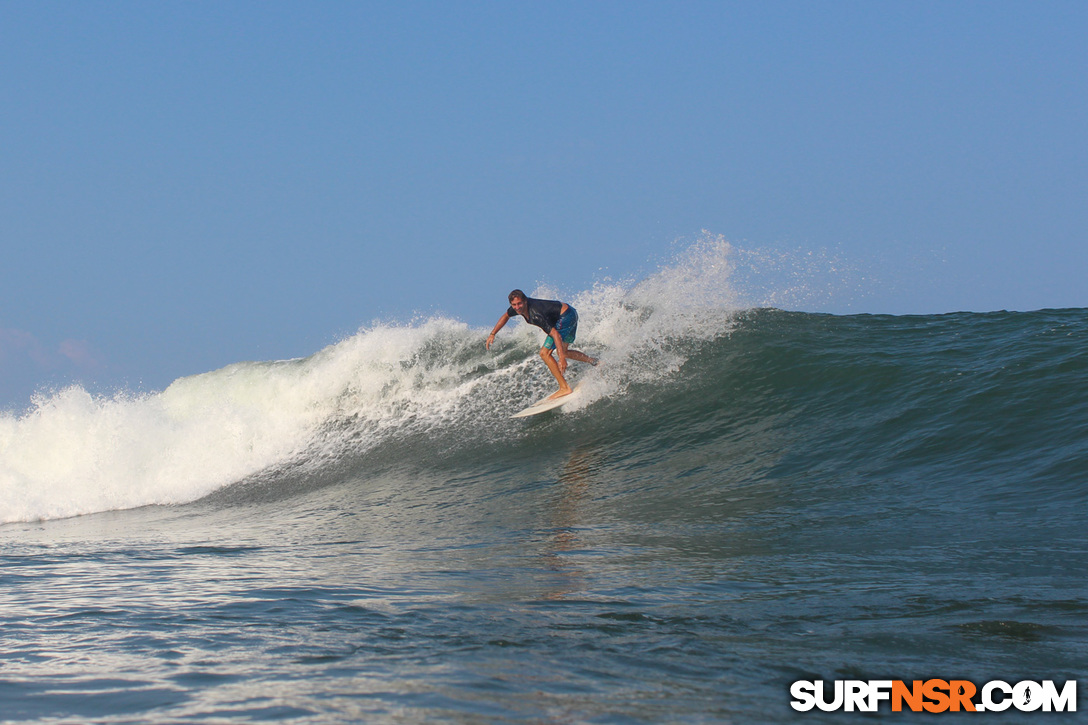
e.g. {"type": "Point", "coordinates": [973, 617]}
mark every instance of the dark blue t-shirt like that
{"type": "Point", "coordinates": [542, 313]}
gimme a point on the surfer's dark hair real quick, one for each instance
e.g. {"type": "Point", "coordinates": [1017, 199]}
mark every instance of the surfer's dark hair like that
{"type": "Point", "coordinates": [516, 294]}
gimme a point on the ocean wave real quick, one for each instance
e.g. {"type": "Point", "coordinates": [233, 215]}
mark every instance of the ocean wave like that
{"type": "Point", "coordinates": [73, 453]}
{"type": "Point", "coordinates": [685, 358]}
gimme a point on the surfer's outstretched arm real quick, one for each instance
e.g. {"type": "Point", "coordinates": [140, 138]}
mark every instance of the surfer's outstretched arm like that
{"type": "Point", "coordinates": [498, 326]}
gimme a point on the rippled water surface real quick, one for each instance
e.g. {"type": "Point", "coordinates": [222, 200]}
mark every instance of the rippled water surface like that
{"type": "Point", "coordinates": [807, 497]}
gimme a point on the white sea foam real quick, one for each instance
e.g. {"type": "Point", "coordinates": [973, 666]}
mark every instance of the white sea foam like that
{"type": "Point", "coordinates": [74, 453]}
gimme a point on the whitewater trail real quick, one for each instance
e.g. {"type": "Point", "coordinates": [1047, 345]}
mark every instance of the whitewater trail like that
{"type": "Point", "coordinates": [73, 453]}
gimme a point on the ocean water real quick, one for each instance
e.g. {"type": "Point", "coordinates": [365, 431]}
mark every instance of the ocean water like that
{"type": "Point", "coordinates": [742, 498]}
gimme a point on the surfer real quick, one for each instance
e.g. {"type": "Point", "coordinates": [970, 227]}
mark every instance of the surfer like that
{"type": "Point", "coordinates": [560, 321]}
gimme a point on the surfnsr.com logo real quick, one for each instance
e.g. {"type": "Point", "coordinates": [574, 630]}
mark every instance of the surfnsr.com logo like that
{"type": "Point", "coordinates": [934, 696]}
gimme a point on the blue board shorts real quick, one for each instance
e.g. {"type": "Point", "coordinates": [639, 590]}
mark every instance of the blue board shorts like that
{"type": "Point", "coordinates": [567, 326]}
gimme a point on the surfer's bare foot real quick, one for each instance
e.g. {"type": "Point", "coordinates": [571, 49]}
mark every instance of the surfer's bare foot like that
{"type": "Point", "coordinates": [560, 394]}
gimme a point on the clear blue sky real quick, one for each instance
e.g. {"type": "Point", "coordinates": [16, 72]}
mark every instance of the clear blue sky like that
{"type": "Point", "coordinates": [188, 184]}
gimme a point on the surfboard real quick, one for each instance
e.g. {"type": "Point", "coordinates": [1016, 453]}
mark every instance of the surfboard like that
{"type": "Point", "coordinates": [541, 406]}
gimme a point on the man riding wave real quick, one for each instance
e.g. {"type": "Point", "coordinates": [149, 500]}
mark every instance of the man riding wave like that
{"type": "Point", "coordinates": [560, 321]}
